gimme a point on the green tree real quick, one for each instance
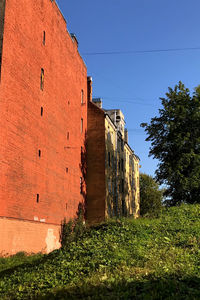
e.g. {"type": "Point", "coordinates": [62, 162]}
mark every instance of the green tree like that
{"type": "Point", "coordinates": [175, 142]}
{"type": "Point", "coordinates": [150, 195]}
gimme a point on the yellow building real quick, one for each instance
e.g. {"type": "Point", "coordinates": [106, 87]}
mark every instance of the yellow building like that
{"type": "Point", "coordinates": [112, 166]}
{"type": "Point", "coordinates": [132, 190]}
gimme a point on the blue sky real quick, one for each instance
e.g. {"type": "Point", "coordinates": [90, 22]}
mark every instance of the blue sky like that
{"type": "Point", "coordinates": [134, 82]}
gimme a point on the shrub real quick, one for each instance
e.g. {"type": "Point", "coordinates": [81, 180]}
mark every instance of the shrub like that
{"type": "Point", "coordinates": [72, 230]}
{"type": "Point", "coordinates": [150, 196]}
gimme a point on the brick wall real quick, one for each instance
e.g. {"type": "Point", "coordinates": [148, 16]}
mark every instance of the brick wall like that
{"type": "Point", "coordinates": [96, 190]}
{"type": "Point", "coordinates": [40, 130]}
{"type": "Point", "coordinates": [2, 14]}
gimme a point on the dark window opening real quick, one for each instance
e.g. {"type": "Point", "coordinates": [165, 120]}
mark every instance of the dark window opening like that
{"type": "Point", "coordinates": [68, 136]}
{"type": "Point", "coordinates": [67, 170]}
{"type": "Point", "coordinates": [122, 164]}
{"type": "Point", "coordinates": [42, 80]}
{"type": "Point", "coordinates": [38, 197]}
{"type": "Point", "coordinates": [123, 208]}
{"type": "Point", "coordinates": [122, 145]}
{"type": "Point", "coordinates": [109, 159]}
{"type": "Point", "coordinates": [66, 206]}
{"type": "Point", "coordinates": [81, 125]}
{"type": "Point", "coordinates": [44, 37]}
{"type": "Point", "coordinates": [39, 153]}
{"type": "Point", "coordinates": [82, 154]}
{"type": "Point", "coordinates": [118, 118]}
{"type": "Point", "coordinates": [122, 185]}
{"type": "Point", "coordinates": [41, 111]}
{"type": "Point", "coordinates": [82, 97]}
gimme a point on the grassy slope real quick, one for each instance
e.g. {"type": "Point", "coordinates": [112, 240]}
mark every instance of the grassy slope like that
{"type": "Point", "coordinates": [127, 259]}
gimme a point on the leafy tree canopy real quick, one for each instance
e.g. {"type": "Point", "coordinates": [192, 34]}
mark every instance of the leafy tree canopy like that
{"type": "Point", "coordinates": [150, 196]}
{"type": "Point", "coordinates": [175, 142]}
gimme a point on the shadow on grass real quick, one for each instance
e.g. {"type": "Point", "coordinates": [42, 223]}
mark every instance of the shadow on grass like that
{"type": "Point", "coordinates": [167, 288]}
{"type": "Point", "coordinates": [28, 264]}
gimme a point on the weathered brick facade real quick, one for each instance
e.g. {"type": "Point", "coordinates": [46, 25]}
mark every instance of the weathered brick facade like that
{"type": "Point", "coordinates": [43, 120]}
{"type": "Point", "coordinates": [113, 168]}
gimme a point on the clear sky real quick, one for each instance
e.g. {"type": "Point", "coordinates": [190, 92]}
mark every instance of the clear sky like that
{"type": "Point", "coordinates": [134, 82]}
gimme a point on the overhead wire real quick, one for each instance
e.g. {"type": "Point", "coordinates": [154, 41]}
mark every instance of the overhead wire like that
{"type": "Point", "coordinates": [137, 52]}
{"type": "Point", "coordinates": [108, 98]}
{"type": "Point", "coordinates": [130, 102]}
{"type": "Point", "coordinates": [141, 51]}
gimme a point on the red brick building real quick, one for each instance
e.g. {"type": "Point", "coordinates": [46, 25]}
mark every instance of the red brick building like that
{"type": "Point", "coordinates": [43, 120]}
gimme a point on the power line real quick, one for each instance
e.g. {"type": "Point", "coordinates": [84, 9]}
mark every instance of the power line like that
{"type": "Point", "coordinates": [116, 100]}
{"type": "Point", "coordinates": [141, 51]}
{"type": "Point", "coordinates": [126, 98]}
{"type": "Point", "coordinates": [130, 102]}
{"type": "Point", "coordinates": [133, 98]}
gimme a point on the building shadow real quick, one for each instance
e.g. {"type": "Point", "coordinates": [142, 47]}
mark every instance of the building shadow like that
{"type": "Point", "coordinates": [83, 169]}
{"type": "Point", "coordinates": [171, 288]}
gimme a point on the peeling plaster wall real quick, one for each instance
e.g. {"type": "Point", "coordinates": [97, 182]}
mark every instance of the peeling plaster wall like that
{"type": "Point", "coordinates": [30, 237]}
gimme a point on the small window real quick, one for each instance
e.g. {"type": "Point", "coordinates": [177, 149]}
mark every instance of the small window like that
{"type": "Point", "coordinates": [109, 159]}
{"type": "Point", "coordinates": [113, 161]}
{"type": "Point", "coordinates": [82, 97]}
{"type": "Point", "coordinates": [42, 80]}
{"type": "Point", "coordinates": [113, 187]}
{"type": "Point", "coordinates": [44, 37]}
{"type": "Point", "coordinates": [109, 186]}
{"type": "Point", "coordinates": [67, 170]}
{"type": "Point", "coordinates": [122, 185]}
{"type": "Point", "coordinates": [118, 118]}
{"type": "Point", "coordinates": [38, 198]}
{"type": "Point", "coordinates": [39, 153]}
{"type": "Point", "coordinates": [122, 145]}
{"type": "Point", "coordinates": [41, 111]}
{"type": "Point", "coordinates": [68, 136]}
{"type": "Point", "coordinates": [122, 164]}
{"type": "Point", "coordinates": [81, 185]}
{"type": "Point", "coordinates": [81, 125]}
{"type": "Point", "coordinates": [82, 154]}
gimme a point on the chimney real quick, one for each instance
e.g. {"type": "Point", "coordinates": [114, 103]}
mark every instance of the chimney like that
{"type": "Point", "coordinates": [126, 135]}
{"type": "Point", "coordinates": [98, 102]}
{"type": "Point", "coordinates": [74, 39]}
{"type": "Point", "coordinates": [89, 88]}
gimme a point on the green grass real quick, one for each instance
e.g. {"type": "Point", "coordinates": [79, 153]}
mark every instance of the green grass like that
{"type": "Point", "coordinates": [126, 259]}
